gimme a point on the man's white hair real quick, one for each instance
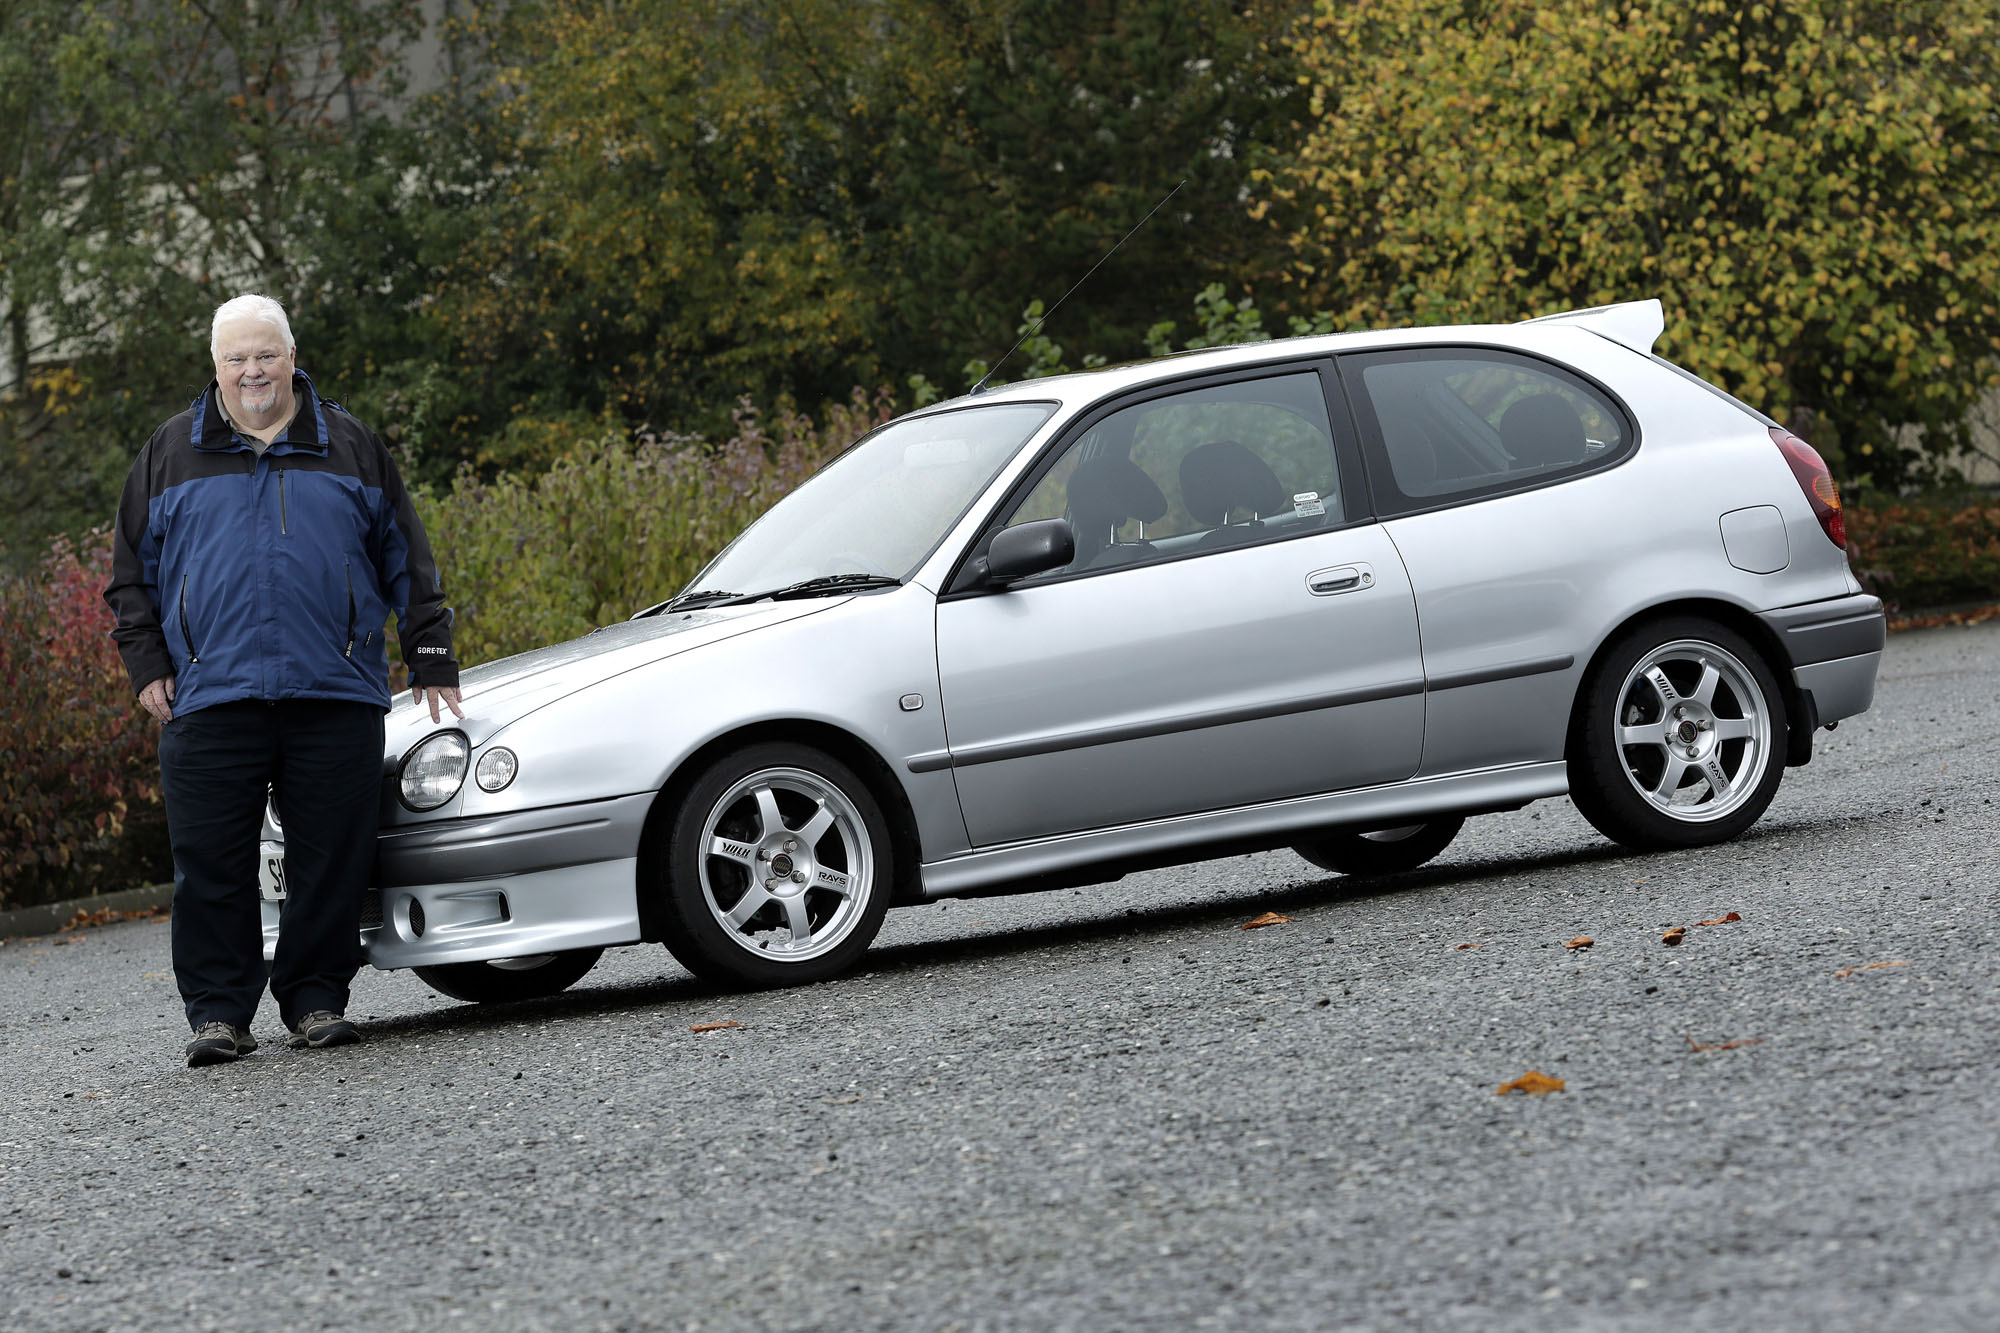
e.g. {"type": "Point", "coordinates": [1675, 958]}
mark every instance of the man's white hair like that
{"type": "Point", "coordinates": [249, 306]}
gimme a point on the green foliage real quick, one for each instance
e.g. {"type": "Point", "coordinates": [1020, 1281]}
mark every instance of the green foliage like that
{"type": "Point", "coordinates": [1923, 553]}
{"type": "Point", "coordinates": [700, 200]}
{"type": "Point", "coordinates": [1036, 355]}
{"type": "Point", "coordinates": [80, 807]}
{"type": "Point", "coordinates": [614, 524]}
{"type": "Point", "coordinates": [188, 152]}
{"type": "Point", "coordinates": [1222, 323]}
{"type": "Point", "coordinates": [1808, 186]}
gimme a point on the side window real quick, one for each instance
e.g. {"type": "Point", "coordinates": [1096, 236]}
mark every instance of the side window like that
{"type": "Point", "coordinates": [1226, 465]}
{"type": "Point", "coordinates": [1462, 422]}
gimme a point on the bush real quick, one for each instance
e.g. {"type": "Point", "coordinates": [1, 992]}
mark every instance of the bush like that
{"type": "Point", "coordinates": [1924, 553]}
{"type": "Point", "coordinates": [80, 807]}
{"type": "Point", "coordinates": [615, 524]}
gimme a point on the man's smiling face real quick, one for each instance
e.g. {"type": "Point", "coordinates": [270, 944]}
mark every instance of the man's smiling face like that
{"type": "Point", "coordinates": [253, 366]}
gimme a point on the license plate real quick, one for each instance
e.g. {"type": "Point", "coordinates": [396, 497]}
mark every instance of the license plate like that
{"type": "Point", "coordinates": [271, 871]}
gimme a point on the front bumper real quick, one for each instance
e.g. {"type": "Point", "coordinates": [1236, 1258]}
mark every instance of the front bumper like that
{"type": "Point", "coordinates": [529, 882]}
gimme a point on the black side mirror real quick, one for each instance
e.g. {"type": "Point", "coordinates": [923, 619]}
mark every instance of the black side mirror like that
{"type": "Point", "coordinates": [1028, 549]}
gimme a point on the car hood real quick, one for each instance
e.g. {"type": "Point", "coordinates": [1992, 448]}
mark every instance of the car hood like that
{"type": "Point", "coordinates": [498, 693]}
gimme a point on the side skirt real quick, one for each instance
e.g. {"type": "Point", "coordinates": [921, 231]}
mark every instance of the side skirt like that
{"type": "Point", "coordinates": [1043, 863]}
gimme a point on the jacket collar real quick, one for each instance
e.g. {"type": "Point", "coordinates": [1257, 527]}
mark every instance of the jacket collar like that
{"type": "Point", "coordinates": [306, 434]}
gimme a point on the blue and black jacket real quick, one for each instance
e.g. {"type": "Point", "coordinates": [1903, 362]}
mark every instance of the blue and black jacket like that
{"type": "Point", "coordinates": [271, 577]}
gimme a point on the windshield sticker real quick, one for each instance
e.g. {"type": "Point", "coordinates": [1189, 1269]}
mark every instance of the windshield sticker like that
{"type": "Point", "coordinates": [1306, 504]}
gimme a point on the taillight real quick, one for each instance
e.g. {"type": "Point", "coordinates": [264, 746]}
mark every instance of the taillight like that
{"type": "Point", "coordinates": [1816, 482]}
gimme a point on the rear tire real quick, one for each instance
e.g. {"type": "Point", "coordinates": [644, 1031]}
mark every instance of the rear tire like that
{"type": "Point", "coordinates": [1387, 851]}
{"type": "Point", "coordinates": [1680, 736]}
{"type": "Point", "coordinates": [504, 979]}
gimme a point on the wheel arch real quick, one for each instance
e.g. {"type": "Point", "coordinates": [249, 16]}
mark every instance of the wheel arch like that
{"type": "Point", "coordinates": [843, 745]}
{"type": "Point", "coordinates": [1731, 616]}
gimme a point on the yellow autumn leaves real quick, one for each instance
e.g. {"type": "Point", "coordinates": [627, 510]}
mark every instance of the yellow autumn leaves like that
{"type": "Point", "coordinates": [1807, 186]}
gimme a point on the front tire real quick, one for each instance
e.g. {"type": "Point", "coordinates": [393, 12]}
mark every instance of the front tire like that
{"type": "Point", "coordinates": [1387, 851]}
{"type": "Point", "coordinates": [504, 979]}
{"type": "Point", "coordinates": [778, 869]}
{"type": "Point", "coordinates": [1681, 736]}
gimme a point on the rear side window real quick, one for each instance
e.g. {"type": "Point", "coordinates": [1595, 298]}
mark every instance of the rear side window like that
{"type": "Point", "coordinates": [1443, 425]}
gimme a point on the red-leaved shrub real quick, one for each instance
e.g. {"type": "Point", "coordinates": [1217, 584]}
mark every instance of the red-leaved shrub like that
{"type": "Point", "coordinates": [1917, 553]}
{"type": "Point", "coordinates": [80, 808]}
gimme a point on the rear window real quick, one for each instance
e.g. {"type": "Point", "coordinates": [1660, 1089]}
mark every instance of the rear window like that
{"type": "Point", "coordinates": [1448, 424]}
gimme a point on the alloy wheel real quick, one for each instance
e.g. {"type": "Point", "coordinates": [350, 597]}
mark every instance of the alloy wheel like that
{"type": "Point", "coordinates": [1693, 731]}
{"type": "Point", "coordinates": [786, 864]}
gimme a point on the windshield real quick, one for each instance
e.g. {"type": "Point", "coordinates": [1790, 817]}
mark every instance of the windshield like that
{"type": "Point", "coordinates": [881, 507]}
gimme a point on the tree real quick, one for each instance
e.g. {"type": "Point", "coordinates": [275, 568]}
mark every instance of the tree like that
{"type": "Point", "coordinates": [1811, 187]}
{"type": "Point", "coordinates": [708, 198]}
{"type": "Point", "coordinates": [188, 150]}
{"type": "Point", "coordinates": [58, 185]}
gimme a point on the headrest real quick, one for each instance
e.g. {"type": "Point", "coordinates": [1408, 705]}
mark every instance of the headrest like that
{"type": "Point", "coordinates": [1223, 475]}
{"type": "Point", "coordinates": [1104, 492]}
{"type": "Point", "coordinates": [1542, 429]}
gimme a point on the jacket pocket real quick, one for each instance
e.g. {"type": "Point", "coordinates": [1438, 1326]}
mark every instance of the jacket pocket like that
{"type": "Point", "coordinates": [187, 635]}
{"type": "Point", "coordinates": [348, 568]}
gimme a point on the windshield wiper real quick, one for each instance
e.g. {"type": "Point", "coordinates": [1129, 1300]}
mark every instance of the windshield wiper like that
{"type": "Point", "coordinates": [813, 587]}
{"type": "Point", "coordinates": [706, 597]}
{"type": "Point", "coordinates": [816, 587]}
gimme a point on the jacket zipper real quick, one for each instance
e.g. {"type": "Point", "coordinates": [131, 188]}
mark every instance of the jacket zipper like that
{"type": "Point", "coordinates": [349, 568]}
{"type": "Point", "coordinates": [284, 523]}
{"type": "Point", "coordinates": [186, 637]}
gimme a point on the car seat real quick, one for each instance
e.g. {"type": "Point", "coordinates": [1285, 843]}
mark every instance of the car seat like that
{"type": "Point", "coordinates": [1542, 430]}
{"type": "Point", "coordinates": [1221, 477]}
{"type": "Point", "coordinates": [1105, 493]}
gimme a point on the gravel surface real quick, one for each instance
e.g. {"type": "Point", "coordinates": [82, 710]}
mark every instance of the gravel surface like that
{"type": "Point", "coordinates": [1113, 1107]}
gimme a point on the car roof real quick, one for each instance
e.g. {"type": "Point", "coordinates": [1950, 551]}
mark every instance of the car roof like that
{"type": "Point", "coordinates": [1633, 324]}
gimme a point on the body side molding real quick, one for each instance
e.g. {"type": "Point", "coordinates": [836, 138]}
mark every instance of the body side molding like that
{"type": "Point", "coordinates": [1494, 788]}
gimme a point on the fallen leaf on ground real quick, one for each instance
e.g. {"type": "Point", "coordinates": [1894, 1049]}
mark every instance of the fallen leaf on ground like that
{"type": "Point", "coordinates": [1870, 967]}
{"type": "Point", "coordinates": [1464, 946]}
{"type": "Point", "coordinates": [84, 918]}
{"type": "Point", "coordinates": [1580, 942]}
{"type": "Point", "coordinates": [1268, 919]}
{"type": "Point", "coordinates": [715, 1027]}
{"type": "Point", "coordinates": [1721, 920]}
{"type": "Point", "coordinates": [1694, 1045]}
{"type": "Point", "coordinates": [1674, 936]}
{"type": "Point", "coordinates": [1534, 1083]}
{"type": "Point", "coordinates": [1976, 615]}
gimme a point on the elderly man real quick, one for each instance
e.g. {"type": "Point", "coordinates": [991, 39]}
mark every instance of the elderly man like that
{"type": "Point", "coordinates": [263, 538]}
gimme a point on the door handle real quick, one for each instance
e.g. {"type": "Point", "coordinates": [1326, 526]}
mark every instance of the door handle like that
{"type": "Point", "coordinates": [1339, 579]}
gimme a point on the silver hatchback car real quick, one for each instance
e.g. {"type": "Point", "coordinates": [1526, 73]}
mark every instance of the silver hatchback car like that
{"type": "Point", "coordinates": [1333, 593]}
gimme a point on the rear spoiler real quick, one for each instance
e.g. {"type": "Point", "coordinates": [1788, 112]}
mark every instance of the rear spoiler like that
{"type": "Point", "coordinates": [1635, 324]}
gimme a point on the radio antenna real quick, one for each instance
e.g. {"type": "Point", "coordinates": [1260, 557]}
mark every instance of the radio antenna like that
{"type": "Point", "coordinates": [1073, 286]}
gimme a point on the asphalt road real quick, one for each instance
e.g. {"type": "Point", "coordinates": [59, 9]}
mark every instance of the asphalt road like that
{"type": "Point", "coordinates": [1113, 1108]}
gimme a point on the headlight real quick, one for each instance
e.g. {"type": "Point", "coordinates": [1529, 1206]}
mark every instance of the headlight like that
{"type": "Point", "coordinates": [495, 769]}
{"type": "Point", "coordinates": [434, 771]}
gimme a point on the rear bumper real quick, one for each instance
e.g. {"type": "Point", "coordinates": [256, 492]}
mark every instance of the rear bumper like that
{"type": "Point", "coordinates": [1842, 627]}
{"type": "Point", "coordinates": [1840, 688]}
{"type": "Point", "coordinates": [1834, 650]}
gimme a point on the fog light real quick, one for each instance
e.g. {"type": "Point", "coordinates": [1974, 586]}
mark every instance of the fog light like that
{"type": "Point", "coordinates": [496, 768]}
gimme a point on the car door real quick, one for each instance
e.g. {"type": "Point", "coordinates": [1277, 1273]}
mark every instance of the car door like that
{"type": "Point", "coordinates": [1233, 629]}
{"type": "Point", "coordinates": [1496, 474]}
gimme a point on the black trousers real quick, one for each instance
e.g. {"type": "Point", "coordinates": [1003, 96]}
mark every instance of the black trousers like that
{"type": "Point", "coordinates": [321, 760]}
